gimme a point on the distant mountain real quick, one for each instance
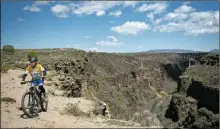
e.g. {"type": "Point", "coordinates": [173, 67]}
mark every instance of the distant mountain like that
{"type": "Point", "coordinates": [215, 50]}
{"type": "Point", "coordinates": [170, 51]}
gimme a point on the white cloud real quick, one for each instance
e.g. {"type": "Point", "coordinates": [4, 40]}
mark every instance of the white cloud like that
{"type": "Point", "coordinates": [91, 7]}
{"type": "Point", "coordinates": [156, 8]}
{"type": "Point", "coordinates": [186, 2]}
{"type": "Point", "coordinates": [112, 21]}
{"type": "Point", "coordinates": [93, 49]}
{"type": "Point", "coordinates": [113, 38]}
{"type": "Point", "coordinates": [100, 13]}
{"type": "Point", "coordinates": [16, 44]}
{"type": "Point", "coordinates": [35, 6]}
{"type": "Point", "coordinates": [41, 3]}
{"type": "Point", "coordinates": [116, 13]}
{"type": "Point", "coordinates": [133, 28]}
{"type": "Point", "coordinates": [175, 16]}
{"type": "Point", "coordinates": [60, 10]}
{"type": "Point", "coordinates": [108, 43]}
{"type": "Point", "coordinates": [32, 8]}
{"type": "Point", "coordinates": [140, 46]}
{"type": "Point", "coordinates": [187, 20]}
{"type": "Point", "coordinates": [88, 37]}
{"type": "Point", "coordinates": [20, 19]}
{"type": "Point", "coordinates": [131, 3]}
{"type": "Point", "coordinates": [112, 42]}
{"type": "Point", "coordinates": [151, 16]}
{"type": "Point", "coordinates": [198, 23]}
{"type": "Point", "coordinates": [158, 21]}
{"type": "Point", "coordinates": [184, 9]}
{"type": "Point", "coordinates": [98, 7]}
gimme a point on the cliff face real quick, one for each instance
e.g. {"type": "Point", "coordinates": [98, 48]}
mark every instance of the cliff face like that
{"type": "Point", "coordinates": [194, 105]}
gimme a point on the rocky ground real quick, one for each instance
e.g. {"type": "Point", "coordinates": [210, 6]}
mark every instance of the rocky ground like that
{"type": "Point", "coordinates": [59, 112]}
{"type": "Point", "coordinates": [157, 90]}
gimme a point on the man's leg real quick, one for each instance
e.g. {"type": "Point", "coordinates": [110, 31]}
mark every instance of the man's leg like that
{"type": "Point", "coordinates": [41, 86]}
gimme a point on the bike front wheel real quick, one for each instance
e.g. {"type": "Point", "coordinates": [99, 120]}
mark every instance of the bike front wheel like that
{"type": "Point", "coordinates": [30, 108]}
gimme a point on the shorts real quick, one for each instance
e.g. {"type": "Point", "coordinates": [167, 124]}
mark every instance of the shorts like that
{"type": "Point", "coordinates": [38, 82]}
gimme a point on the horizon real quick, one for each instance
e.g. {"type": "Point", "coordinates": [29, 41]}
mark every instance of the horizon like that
{"type": "Point", "coordinates": [147, 51]}
{"type": "Point", "coordinates": [111, 26]}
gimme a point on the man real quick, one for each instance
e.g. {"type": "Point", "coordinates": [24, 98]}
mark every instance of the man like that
{"type": "Point", "coordinates": [37, 73]}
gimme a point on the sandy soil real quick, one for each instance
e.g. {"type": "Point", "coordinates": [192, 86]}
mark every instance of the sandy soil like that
{"type": "Point", "coordinates": [12, 117]}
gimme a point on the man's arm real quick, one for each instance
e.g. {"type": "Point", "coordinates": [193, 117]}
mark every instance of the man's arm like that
{"type": "Point", "coordinates": [43, 71]}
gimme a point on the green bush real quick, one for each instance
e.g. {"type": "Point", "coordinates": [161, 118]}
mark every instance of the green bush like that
{"type": "Point", "coordinates": [32, 54]}
{"type": "Point", "coordinates": [5, 68]}
{"type": "Point", "coordinates": [8, 49]}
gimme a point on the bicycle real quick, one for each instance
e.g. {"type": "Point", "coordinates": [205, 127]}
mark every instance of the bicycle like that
{"type": "Point", "coordinates": [36, 100]}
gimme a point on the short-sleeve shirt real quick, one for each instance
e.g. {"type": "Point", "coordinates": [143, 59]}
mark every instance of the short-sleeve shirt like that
{"type": "Point", "coordinates": [35, 72]}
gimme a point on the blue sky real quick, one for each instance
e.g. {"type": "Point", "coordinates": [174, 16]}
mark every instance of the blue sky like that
{"type": "Point", "coordinates": [111, 26]}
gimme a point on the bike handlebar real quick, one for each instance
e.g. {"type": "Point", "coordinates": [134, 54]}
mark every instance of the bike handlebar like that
{"type": "Point", "coordinates": [24, 82]}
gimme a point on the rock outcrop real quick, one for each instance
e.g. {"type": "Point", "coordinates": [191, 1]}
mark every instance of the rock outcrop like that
{"type": "Point", "coordinates": [194, 105]}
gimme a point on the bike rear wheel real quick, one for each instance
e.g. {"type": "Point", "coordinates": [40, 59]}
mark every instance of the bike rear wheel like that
{"type": "Point", "coordinates": [31, 109]}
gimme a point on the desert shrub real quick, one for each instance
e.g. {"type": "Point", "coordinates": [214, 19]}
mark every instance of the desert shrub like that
{"type": "Point", "coordinates": [8, 99]}
{"type": "Point", "coordinates": [8, 49]}
{"type": "Point", "coordinates": [32, 54]}
{"type": "Point", "coordinates": [72, 109]}
{"type": "Point", "coordinates": [5, 68]}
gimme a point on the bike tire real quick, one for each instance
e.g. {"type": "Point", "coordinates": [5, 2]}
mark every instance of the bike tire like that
{"type": "Point", "coordinates": [23, 104]}
{"type": "Point", "coordinates": [43, 107]}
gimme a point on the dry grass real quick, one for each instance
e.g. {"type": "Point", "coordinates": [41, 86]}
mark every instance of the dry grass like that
{"type": "Point", "coordinates": [72, 109]}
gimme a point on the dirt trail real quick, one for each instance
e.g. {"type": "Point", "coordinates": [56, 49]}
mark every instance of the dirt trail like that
{"type": "Point", "coordinates": [11, 116]}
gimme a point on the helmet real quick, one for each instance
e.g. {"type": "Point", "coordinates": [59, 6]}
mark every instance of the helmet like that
{"type": "Point", "coordinates": [33, 60]}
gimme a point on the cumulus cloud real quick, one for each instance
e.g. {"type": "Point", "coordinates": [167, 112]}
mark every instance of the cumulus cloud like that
{"type": "Point", "coordinates": [113, 38]}
{"type": "Point", "coordinates": [20, 19]}
{"type": "Point", "coordinates": [132, 28]}
{"type": "Point", "coordinates": [140, 46]}
{"type": "Point", "coordinates": [184, 9]}
{"type": "Point", "coordinates": [131, 3]}
{"type": "Point", "coordinates": [93, 49]}
{"type": "Point", "coordinates": [156, 8]}
{"type": "Point", "coordinates": [35, 6]}
{"type": "Point", "coordinates": [41, 3]}
{"type": "Point", "coordinates": [88, 37]}
{"type": "Point", "coordinates": [16, 44]}
{"type": "Point", "coordinates": [32, 8]}
{"type": "Point", "coordinates": [189, 21]}
{"type": "Point", "coordinates": [158, 21]}
{"type": "Point", "coordinates": [197, 23]}
{"type": "Point", "coordinates": [108, 43]}
{"type": "Point", "coordinates": [151, 16]}
{"type": "Point", "coordinates": [100, 13]}
{"type": "Point", "coordinates": [97, 7]}
{"type": "Point", "coordinates": [112, 21]}
{"type": "Point", "coordinates": [112, 42]}
{"type": "Point", "coordinates": [116, 13]}
{"type": "Point", "coordinates": [186, 2]}
{"type": "Point", "coordinates": [60, 10]}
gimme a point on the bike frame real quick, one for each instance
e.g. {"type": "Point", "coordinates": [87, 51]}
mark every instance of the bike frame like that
{"type": "Point", "coordinates": [34, 90]}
